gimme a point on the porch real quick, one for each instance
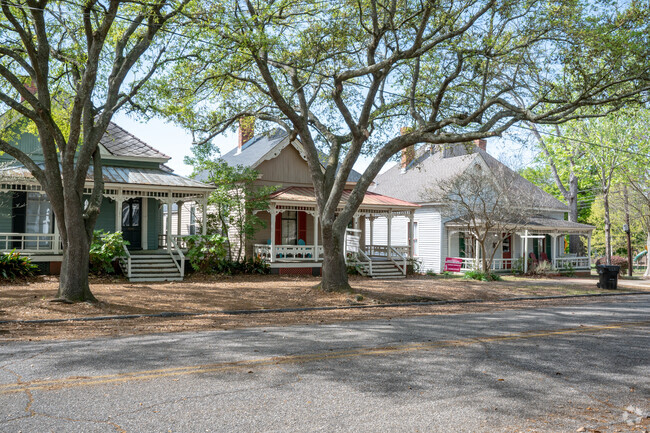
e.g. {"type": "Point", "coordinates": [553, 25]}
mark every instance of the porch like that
{"type": "Point", "coordinates": [27, 222]}
{"type": "Point", "coordinates": [292, 239]}
{"type": "Point", "coordinates": [543, 239]}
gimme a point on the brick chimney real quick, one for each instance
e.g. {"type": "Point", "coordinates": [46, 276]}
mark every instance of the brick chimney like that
{"type": "Point", "coordinates": [246, 131]}
{"type": "Point", "coordinates": [408, 154]}
{"type": "Point", "coordinates": [29, 86]}
{"type": "Point", "coordinates": [481, 143]}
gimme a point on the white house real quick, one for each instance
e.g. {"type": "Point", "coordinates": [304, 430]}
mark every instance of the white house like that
{"type": "Point", "coordinates": [436, 237]}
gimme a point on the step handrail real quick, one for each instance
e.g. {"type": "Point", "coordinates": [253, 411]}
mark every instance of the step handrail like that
{"type": "Point", "coordinates": [181, 258]}
{"type": "Point", "coordinates": [368, 259]}
{"type": "Point", "coordinates": [398, 254]}
{"type": "Point", "coordinates": [127, 257]}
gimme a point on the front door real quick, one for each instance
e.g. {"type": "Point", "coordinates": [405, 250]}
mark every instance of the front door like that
{"type": "Point", "coordinates": [507, 252]}
{"type": "Point", "coordinates": [132, 223]}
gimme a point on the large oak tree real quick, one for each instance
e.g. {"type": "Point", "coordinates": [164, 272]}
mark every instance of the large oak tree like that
{"type": "Point", "coordinates": [344, 76]}
{"type": "Point", "coordinates": [85, 59]}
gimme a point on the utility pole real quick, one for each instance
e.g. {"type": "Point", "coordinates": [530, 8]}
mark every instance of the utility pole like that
{"type": "Point", "coordinates": [626, 228]}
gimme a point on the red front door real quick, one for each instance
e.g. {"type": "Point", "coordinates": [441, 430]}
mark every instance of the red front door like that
{"type": "Point", "coordinates": [507, 252]}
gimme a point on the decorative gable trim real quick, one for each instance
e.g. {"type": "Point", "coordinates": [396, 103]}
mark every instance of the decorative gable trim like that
{"type": "Point", "coordinates": [278, 148]}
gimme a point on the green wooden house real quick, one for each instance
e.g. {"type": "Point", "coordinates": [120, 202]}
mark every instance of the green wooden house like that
{"type": "Point", "coordinates": [138, 189]}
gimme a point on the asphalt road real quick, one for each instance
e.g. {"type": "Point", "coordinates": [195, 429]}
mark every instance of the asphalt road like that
{"type": "Point", "coordinates": [551, 369]}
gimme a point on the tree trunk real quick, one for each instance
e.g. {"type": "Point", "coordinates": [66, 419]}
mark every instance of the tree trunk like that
{"type": "Point", "coordinates": [647, 259]}
{"type": "Point", "coordinates": [608, 230]}
{"type": "Point", "coordinates": [335, 271]}
{"type": "Point", "coordinates": [576, 245]}
{"type": "Point", "coordinates": [73, 283]}
{"type": "Point", "coordinates": [484, 265]}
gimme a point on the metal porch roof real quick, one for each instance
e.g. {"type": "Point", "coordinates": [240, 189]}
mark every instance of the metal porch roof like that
{"type": "Point", "coordinates": [306, 195]}
{"type": "Point", "coordinates": [118, 175]}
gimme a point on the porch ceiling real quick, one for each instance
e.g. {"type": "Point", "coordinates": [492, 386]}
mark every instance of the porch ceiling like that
{"type": "Point", "coordinates": [304, 196]}
{"type": "Point", "coordinates": [537, 223]}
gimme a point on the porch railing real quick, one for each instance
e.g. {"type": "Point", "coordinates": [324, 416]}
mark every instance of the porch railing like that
{"type": "Point", "coordinates": [561, 263]}
{"type": "Point", "coordinates": [382, 250]}
{"type": "Point", "coordinates": [125, 262]}
{"type": "Point", "coordinates": [180, 263]}
{"type": "Point", "coordinates": [360, 261]}
{"type": "Point", "coordinates": [299, 253]}
{"type": "Point", "coordinates": [31, 242]}
{"type": "Point", "coordinates": [181, 240]}
{"type": "Point", "coordinates": [398, 259]}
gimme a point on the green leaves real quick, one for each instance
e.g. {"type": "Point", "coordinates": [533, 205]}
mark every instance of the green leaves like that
{"type": "Point", "coordinates": [104, 250]}
{"type": "Point", "coordinates": [13, 265]}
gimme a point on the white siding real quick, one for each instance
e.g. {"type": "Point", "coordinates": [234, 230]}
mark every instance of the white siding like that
{"type": "Point", "coordinates": [432, 249]}
{"type": "Point", "coordinates": [429, 232]}
{"type": "Point", "coordinates": [399, 231]}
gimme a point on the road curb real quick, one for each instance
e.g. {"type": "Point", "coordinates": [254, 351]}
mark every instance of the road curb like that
{"type": "Point", "coordinates": [306, 309]}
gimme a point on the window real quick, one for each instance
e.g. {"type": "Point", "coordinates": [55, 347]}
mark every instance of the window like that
{"type": "Point", "coordinates": [131, 213]}
{"type": "Point", "coordinates": [289, 228]}
{"type": "Point", "coordinates": [38, 218]}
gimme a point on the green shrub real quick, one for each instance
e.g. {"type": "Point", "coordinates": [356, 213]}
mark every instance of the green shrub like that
{"type": "Point", "coordinates": [481, 276]}
{"type": "Point", "coordinates": [430, 273]}
{"type": "Point", "coordinates": [209, 254]}
{"type": "Point", "coordinates": [13, 265]}
{"type": "Point", "coordinates": [106, 248]}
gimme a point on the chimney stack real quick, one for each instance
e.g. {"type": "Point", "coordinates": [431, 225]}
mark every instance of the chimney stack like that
{"type": "Point", "coordinates": [481, 143]}
{"type": "Point", "coordinates": [246, 131]}
{"type": "Point", "coordinates": [29, 86]}
{"type": "Point", "coordinates": [408, 154]}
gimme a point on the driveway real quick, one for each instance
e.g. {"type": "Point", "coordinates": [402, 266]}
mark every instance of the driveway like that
{"type": "Point", "coordinates": [550, 369]}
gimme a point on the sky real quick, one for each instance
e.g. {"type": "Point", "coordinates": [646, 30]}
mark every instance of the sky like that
{"type": "Point", "coordinates": [176, 143]}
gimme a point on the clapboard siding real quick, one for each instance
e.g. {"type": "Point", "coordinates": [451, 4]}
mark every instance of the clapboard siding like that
{"type": "Point", "coordinates": [399, 231]}
{"type": "Point", "coordinates": [429, 233]}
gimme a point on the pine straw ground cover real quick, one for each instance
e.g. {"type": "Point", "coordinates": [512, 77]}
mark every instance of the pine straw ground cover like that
{"type": "Point", "coordinates": [31, 300]}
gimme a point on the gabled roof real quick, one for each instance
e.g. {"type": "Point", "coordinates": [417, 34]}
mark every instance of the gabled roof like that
{"type": "Point", "coordinates": [121, 143]}
{"type": "Point", "coordinates": [428, 169]}
{"type": "Point", "coordinates": [259, 148]}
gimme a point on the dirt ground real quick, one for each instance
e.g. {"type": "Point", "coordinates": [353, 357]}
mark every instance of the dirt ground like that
{"type": "Point", "coordinates": [219, 296]}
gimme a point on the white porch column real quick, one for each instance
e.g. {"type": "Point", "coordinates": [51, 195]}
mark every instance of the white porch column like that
{"type": "Point", "coordinates": [477, 255]}
{"type": "Point", "coordinates": [204, 217]}
{"type": "Point", "coordinates": [589, 250]}
{"type": "Point", "coordinates": [411, 233]}
{"type": "Point", "coordinates": [168, 232]}
{"type": "Point", "coordinates": [372, 224]}
{"type": "Point", "coordinates": [355, 222]}
{"type": "Point", "coordinates": [525, 250]}
{"type": "Point", "coordinates": [118, 212]}
{"type": "Point", "coordinates": [388, 232]}
{"type": "Point", "coordinates": [554, 250]}
{"type": "Point", "coordinates": [273, 213]}
{"type": "Point", "coordinates": [315, 235]}
{"type": "Point", "coordinates": [179, 218]}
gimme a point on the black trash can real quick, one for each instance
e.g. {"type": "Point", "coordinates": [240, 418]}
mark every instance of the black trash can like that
{"type": "Point", "coordinates": [607, 276]}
